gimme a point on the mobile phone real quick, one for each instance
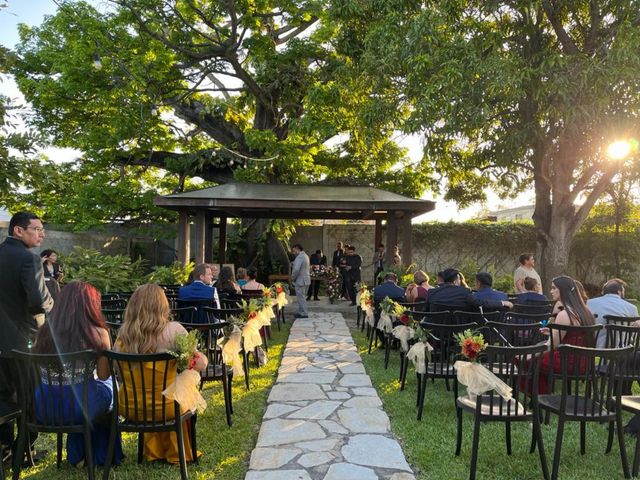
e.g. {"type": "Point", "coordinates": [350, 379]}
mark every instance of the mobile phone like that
{"type": "Point", "coordinates": [544, 323]}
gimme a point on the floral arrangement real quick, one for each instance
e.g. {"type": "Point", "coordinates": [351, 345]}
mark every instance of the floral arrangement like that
{"type": "Point", "coordinates": [318, 271]}
{"type": "Point", "coordinates": [184, 389]}
{"type": "Point", "coordinates": [471, 344]}
{"type": "Point", "coordinates": [186, 351]}
{"type": "Point", "coordinates": [279, 294]}
{"type": "Point", "coordinates": [334, 284]}
{"type": "Point", "coordinates": [391, 308]}
{"type": "Point", "coordinates": [363, 294]}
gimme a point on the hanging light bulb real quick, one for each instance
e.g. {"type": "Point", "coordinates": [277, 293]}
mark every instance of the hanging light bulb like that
{"type": "Point", "coordinates": [97, 63]}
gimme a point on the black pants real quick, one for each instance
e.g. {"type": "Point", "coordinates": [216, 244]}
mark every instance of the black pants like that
{"type": "Point", "coordinates": [351, 288]}
{"type": "Point", "coordinates": [314, 289]}
{"type": "Point", "coordinates": [9, 378]}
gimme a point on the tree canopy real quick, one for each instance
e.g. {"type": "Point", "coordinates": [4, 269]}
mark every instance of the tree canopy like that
{"type": "Point", "coordinates": [257, 91]}
{"type": "Point", "coordinates": [511, 94]}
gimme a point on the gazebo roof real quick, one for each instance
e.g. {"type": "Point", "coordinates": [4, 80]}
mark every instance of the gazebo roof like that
{"type": "Point", "coordinates": [252, 200]}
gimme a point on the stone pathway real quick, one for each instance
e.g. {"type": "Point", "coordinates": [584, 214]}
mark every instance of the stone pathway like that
{"type": "Point", "coordinates": [324, 420]}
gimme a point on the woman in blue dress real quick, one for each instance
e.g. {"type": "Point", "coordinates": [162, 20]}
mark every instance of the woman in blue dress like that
{"type": "Point", "coordinates": [76, 323]}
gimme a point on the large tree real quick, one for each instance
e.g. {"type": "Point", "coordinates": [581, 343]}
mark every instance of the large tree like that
{"type": "Point", "coordinates": [510, 95]}
{"type": "Point", "coordinates": [218, 89]}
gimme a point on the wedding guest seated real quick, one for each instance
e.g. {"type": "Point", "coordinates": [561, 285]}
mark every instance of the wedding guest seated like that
{"type": "Point", "coordinates": [147, 329]}
{"type": "Point", "coordinates": [252, 284]}
{"type": "Point", "coordinates": [457, 297]}
{"type": "Point", "coordinates": [227, 284]}
{"type": "Point", "coordinates": [575, 312]}
{"type": "Point", "coordinates": [388, 288]}
{"type": "Point", "coordinates": [531, 292]}
{"type": "Point", "coordinates": [241, 276]}
{"type": "Point", "coordinates": [76, 323]}
{"type": "Point", "coordinates": [484, 282]}
{"type": "Point", "coordinates": [418, 290]}
{"type": "Point", "coordinates": [611, 302]}
{"type": "Point", "coordinates": [201, 287]}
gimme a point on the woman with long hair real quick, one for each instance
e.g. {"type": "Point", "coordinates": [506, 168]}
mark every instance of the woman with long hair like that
{"type": "Point", "coordinates": [76, 323]}
{"type": "Point", "coordinates": [147, 328]}
{"type": "Point", "coordinates": [574, 312]}
{"type": "Point", "coordinates": [226, 283]}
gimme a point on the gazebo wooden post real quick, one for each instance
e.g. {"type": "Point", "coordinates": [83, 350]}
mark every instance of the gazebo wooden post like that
{"type": "Point", "coordinates": [208, 239]}
{"type": "Point", "coordinates": [392, 235]}
{"type": "Point", "coordinates": [378, 234]}
{"type": "Point", "coordinates": [201, 227]}
{"type": "Point", "coordinates": [222, 241]}
{"type": "Point", "coordinates": [184, 236]}
{"type": "Point", "coordinates": [406, 239]}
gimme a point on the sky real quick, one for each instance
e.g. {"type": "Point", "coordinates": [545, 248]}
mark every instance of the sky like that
{"type": "Point", "coordinates": [32, 12]}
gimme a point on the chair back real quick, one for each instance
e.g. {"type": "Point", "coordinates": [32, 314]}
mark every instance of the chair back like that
{"type": "Point", "coordinates": [114, 304]}
{"type": "Point", "coordinates": [460, 316]}
{"type": "Point", "coordinates": [54, 389]}
{"type": "Point", "coordinates": [444, 317]}
{"type": "Point", "coordinates": [138, 395]}
{"type": "Point", "coordinates": [532, 308]}
{"type": "Point", "coordinates": [251, 293]}
{"type": "Point", "coordinates": [216, 315]}
{"type": "Point", "coordinates": [113, 315]}
{"type": "Point", "coordinates": [109, 296]}
{"type": "Point", "coordinates": [419, 306]}
{"type": "Point", "coordinates": [512, 334]}
{"type": "Point", "coordinates": [209, 336]}
{"type": "Point", "coordinates": [518, 367]}
{"type": "Point", "coordinates": [589, 392]}
{"type": "Point", "coordinates": [614, 319]}
{"type": "Point", "coordinates": [185, 314]}
{"type": "Point", "coordinates": [442, 338]}
{"type": "Point", "coordinates": [441, 307]}
{"type": "Point", "coordinates": [171, 289]}
{"type": "Point", "coordinates": [584, 334]}
{"type": "Point", "coordinates": [525, 318]}
{"type": "Point", "coordinates": [114, 328]}
{"type": "Point", "coordinates": [200, 317]}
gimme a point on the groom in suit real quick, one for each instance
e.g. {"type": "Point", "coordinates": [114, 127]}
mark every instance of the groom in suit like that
{"type": "Point", "coordinates": [300, 278]}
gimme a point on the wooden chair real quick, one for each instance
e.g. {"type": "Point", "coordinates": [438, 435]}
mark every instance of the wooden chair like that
{"type": "Point", "coordinates": [599, 401]}
{"type": "Point", "coordinates": [145, 409]}
{"type": "Point", "coordinates": [512, 334]}
{"type": "Point", "coordinates": [10, 411]}
{"type": "Point", "coordinates": [524, 318]}
{"type": "Point", "coordinates": [114, 304]}
{"type": "Point", "coordinates": [109, 296]}
{"type": "Point", "coordinates": [532, 308]}
{"type": "Point", "coordinates": [54, 389]}
{"type": "Point", "coordinates": [113, 315]}
{"type": "Point", "coordinates": [518, 367]}
{"type": "Point", "coordinates": [463, 316]}
{"type": "Point", "coordinates": [185, 314]}
{"type": "Point", "coordinates": [615, 320]}
{"type": "Point", "coordinates": [201, 316]}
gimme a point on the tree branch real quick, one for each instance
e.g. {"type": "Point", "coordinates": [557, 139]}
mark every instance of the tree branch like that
{"type": "Point", "coordinates": [567, 43]}
{"type": "Point", "coordinates": [297, 31]}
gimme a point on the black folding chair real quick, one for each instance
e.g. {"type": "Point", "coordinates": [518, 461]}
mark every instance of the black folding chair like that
{"type": "Point", "coordinates": [598, 401]}
{"type": "Point", "coordinates": [114, 304]}
{"type": "Point", "coordinates": [54, 391]}
{"type": "Point", "coordinates": [518, 367]}
{"type": "Point", "coordinates": [185, 314]}
{"type": "Point", "coordinates": [143, 408]}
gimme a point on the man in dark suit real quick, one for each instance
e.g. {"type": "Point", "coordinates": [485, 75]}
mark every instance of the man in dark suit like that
{"type": "Point", "coordinates": [457, 297]}
{"type": "Point", "coordinates": [484, 282]}
{"type": "Point", "coordinates": [200, 289]}
{"type": "Point", "coordinates": [317, 260]}
{"type": "Point", "coordinates": [352, 271]}
{"type": "Point", "coordinates": [24, 301]}
{"type": "Point", "coordinates": [388, 288]}
{"type": "Point", "coordinates": [337, 255]}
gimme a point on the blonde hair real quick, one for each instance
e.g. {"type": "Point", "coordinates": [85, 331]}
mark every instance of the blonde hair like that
{"type": "Point", "coordinates": [145, 317]}
{"type": "Point", "coordinates": [241, 273]}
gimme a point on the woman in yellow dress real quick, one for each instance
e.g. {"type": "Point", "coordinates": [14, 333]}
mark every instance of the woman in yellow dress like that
{"type": "Point", "coordinates": [147, 328]}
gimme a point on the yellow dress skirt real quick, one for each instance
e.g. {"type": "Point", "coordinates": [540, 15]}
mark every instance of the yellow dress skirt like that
{"type": "Point", "coordinates": [157, 445]}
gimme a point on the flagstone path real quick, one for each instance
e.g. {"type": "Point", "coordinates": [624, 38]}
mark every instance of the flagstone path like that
{"type": "Point", "coordinates": [324, 420]}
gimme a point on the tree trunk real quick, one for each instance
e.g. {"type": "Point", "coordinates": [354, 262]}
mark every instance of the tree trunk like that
{"type": "Point", "coordinates": [554, 247]}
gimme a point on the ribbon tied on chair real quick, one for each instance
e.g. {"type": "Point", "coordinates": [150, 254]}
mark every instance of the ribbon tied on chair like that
{"type": "Point", "coordinates": [417, 354]}
{"type": "Point", "coordinates": [231, 351]}
{"type": "Point", "coordinates": [479, 379]}
{"type": "Point", "coordinates": [404, 334]}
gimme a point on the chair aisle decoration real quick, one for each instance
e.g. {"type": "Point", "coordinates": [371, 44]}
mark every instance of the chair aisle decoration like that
{"type": "Point", "coordinates": [185, 388]}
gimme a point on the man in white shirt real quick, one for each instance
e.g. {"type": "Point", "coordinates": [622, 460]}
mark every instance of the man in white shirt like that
{"type": "Point", "coordinates": [526, 270]}
{"type": "Point", "coordinates": [611, 302]}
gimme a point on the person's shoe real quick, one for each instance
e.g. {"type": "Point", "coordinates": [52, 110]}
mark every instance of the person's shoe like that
{"type": "Point", "coordinates": [303, 316]}
{"type": "Point", "coordinates": [308, 299]}
{"type": "Point", "coordinates": [316, 299]}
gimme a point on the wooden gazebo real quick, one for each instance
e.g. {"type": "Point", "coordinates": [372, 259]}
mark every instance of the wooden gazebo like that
{"type": "Point", "coordinates": [211, 207]}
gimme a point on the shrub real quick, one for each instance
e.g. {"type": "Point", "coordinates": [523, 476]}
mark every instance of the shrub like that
{"type": "Point", "coordinates": [108, 273]}
{"type": "Point", "coordinates": [174, 274]}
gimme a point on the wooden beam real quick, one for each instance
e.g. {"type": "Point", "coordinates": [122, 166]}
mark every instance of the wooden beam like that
{"type": "Point", "coordinates": [201, 227]}
{"type": "Point", "coordinates": [406, 240]}
{"type": "Point", "coordinates": [208, 239]}
{"type": "Point", "coordinates": [392, 235]}
{"type": "Point", "coordinates": [222, 241]}
{"type": "Point", "coordinates": [377, 238]}
{"type": "Point", "coordinates": [184, 237]}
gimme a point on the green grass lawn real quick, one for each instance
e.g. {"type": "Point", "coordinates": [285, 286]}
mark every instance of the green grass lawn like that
{"type": "Point", "coordinates": [430, 444]}
{"type": "Point", "coordinates": [226, 450]}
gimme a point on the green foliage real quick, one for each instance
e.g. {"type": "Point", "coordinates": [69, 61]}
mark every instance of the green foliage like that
{"type": "Point", "coordinates": [404, 274]}
{"type": "Point", "coordinates": [174, 274]}
{"type": "Point", "coordinates": [108, 273]}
